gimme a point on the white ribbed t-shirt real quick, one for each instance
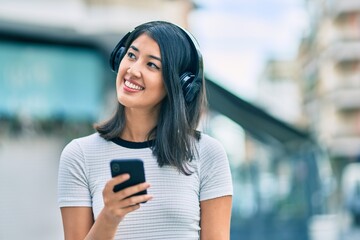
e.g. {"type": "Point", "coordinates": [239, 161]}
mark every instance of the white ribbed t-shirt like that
{"type": "Point", "coordinates": [174, 211]}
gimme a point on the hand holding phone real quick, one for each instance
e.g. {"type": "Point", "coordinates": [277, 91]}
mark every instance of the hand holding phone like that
{"type": "Point", "coordinates": [133, 167]}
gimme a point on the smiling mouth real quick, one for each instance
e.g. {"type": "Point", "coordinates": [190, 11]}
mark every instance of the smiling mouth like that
{"type": "Point", "coordinates": [133, 86]}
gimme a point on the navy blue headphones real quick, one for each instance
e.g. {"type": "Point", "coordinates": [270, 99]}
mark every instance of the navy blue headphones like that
{"type": "Point", "coordinates": [190, 82]}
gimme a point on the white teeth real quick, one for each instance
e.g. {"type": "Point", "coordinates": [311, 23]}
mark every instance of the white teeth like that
{"type": "Point", "coordinates": [133, 86]}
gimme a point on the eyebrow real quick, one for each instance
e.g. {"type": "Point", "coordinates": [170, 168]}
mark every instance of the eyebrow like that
{"type": "Point", "coordinates": [151, 56]}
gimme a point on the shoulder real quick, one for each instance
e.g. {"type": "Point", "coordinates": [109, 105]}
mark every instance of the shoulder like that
{"type": "Point", "coordinates": [210, 149]}
{"type": "Point", "coordinates": [208, 143]}
{"type": "Point", "coordinates": [88, 141]}
{"type": "Point", "coordinates": [94, 138]}
{"type": "Point", "coordinates": [214, 169]}
{"type": "Point", "coordinates": [84, 144]}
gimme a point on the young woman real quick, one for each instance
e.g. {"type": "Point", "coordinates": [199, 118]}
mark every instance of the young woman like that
{"type": "Point", "coordinates": [161, 96]}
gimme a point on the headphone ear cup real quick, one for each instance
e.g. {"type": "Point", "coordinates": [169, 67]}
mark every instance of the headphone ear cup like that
{"type": "Point", "coordinates": [193, 90]}
{"type": "Point", "coordinates": [118, 53]}
{"type": "Point", "coordinates": [189, 86]}
{"type": "Point", "coordinates": [115, 58]}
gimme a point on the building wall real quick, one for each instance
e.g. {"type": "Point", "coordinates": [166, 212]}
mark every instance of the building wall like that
{"type": "Point", "coordinates": [329, 76]}
{"type": "Point", "coordinates": [95, 16]}
{"type": "Point", "coordinates": [330, 57]}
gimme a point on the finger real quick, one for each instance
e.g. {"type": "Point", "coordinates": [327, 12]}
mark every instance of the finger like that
{"type": "Point", "coordinates": [127, 192]}
{"type": "Point", "coordinates": [136, 200]}
{"type": "Point", "coordinates": [116, 180]}
{"type": "Point", "coordinates": [126, 210]}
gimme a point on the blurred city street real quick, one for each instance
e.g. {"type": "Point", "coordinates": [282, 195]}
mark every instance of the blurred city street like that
{"type": "Point", "coordinates": [283, 88]}
{"type": "Point", "coordinates": [28, 176]}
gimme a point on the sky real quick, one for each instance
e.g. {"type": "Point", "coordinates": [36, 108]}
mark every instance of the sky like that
{"type": "Point", "coordinates": [236, 38]}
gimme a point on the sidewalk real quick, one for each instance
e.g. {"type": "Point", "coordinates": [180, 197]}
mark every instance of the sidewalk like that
{"type": "Point", "coordinates": [28, 178]}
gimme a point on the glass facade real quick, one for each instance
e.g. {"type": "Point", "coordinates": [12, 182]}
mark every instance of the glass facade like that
{"type": "Point", "coordinates": [45, 81]}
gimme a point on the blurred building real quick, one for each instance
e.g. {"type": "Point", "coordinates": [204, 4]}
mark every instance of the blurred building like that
{"type": "Point", "coordinates": [279, 92]}
{"type": "Point", "coordinates": [37, 71]}
{"type": "Point", "coordinates": [327, 75]}
{"type": "Point", "coordinates": [329, 59]}
{"type": "Point", "coordinates": [330, 62]}
{"type": "Point", "coordinates": [93, 16]}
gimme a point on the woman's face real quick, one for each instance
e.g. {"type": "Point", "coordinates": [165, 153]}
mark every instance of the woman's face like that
{"type": "Point", "coordinates": [139, 83]}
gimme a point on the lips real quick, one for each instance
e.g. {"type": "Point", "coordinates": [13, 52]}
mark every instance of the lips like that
{"type": "Point", "coordinates": [133, 86]}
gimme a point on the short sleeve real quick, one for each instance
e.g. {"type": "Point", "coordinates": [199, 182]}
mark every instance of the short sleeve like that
{"type": "Point", "coordinates": [73, 189]}
{"type": "Point", "coordinates": [215, 175]}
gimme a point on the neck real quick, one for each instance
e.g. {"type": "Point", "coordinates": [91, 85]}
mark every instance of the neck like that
{"type": "Point", "coordinates": [138, 125]}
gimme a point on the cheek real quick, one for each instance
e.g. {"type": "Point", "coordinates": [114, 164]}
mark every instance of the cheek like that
{"type": "Point", "coordinates": [163, 92]}
{"type": "Point", "coordinates": [120, 75]}
{"type": "Point", "coordinates": [156, 91]}
{"type": "Point", "coordinates": [122, 67]}
{"type": "Point", "coordinates": [118, 81]}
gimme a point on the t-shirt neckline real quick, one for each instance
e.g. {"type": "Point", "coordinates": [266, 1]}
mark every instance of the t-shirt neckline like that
{"type": "Point", "coordinates": [133, 145]}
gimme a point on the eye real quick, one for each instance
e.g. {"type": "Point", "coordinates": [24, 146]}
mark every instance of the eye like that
{"type": "Point", "coordinates": [153, 65]}
{"type": "Point", "coordinates": [131, 55]}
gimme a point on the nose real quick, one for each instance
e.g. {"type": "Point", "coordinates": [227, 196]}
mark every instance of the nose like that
{"type": "Point", "coordinates": [134, 70]}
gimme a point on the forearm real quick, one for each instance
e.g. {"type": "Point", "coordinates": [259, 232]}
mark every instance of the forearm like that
{"type": "Point", "coordinates": [103, 228]}
{"type": "Point", "coordinates": [116, 207]}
